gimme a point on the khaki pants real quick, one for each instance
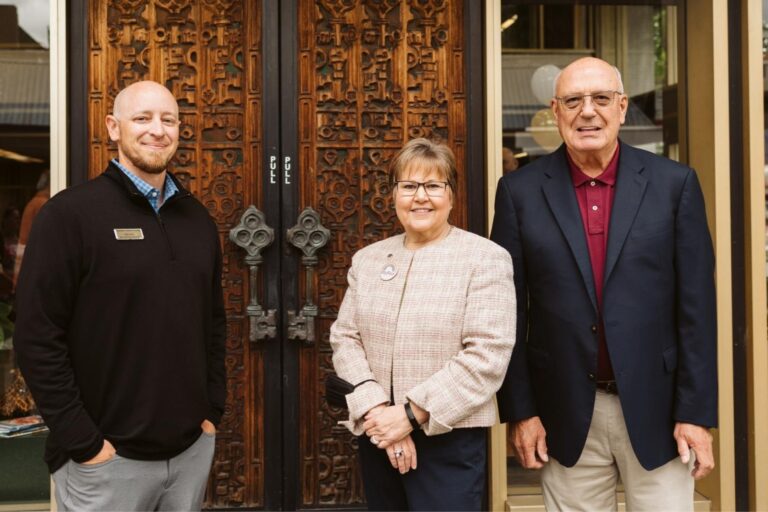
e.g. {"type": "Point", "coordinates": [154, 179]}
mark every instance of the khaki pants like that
{"type": "Point", "coordinates": [608, 455]}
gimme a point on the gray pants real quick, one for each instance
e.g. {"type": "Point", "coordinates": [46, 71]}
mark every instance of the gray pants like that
{"type": "Point", "coordinates": [137, 485]}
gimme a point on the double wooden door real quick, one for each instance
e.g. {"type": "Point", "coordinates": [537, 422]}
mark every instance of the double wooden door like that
{"type": "Point", "coordinates": [290, 113]}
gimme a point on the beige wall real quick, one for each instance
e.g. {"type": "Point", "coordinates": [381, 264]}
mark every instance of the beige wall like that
{"type": "Point", "coordinates": [754, 211]}
{"type": "Point", "coordinates": [707, 146]}
{"type": "Point", "coordinates": [497, 445]}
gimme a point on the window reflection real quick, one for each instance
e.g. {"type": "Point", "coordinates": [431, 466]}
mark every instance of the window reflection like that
{"type": "Point", "coordinates": [538, 40]}
{"type": "Point", "coordinates": [24, 157]}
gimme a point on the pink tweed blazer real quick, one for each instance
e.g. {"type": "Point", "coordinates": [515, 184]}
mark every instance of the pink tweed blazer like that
{"type": "Point", "coordinates": [439, 333]}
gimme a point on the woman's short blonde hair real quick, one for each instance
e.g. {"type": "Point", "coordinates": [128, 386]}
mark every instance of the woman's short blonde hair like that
{"type": "Point", "coordinates": [424, 152]}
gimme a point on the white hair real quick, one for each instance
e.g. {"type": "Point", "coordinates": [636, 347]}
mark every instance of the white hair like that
{"type": "Point", "coordinates": [618, 77]}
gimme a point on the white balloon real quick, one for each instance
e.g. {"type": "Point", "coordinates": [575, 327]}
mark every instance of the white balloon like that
{"type": "Point", "coordinates": [542, 81]}
{"type": "Point", "coordinates": [544, 130]}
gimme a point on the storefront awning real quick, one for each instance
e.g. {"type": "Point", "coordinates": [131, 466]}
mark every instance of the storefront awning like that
{"type": "Point", "coordinates": [24, 88]}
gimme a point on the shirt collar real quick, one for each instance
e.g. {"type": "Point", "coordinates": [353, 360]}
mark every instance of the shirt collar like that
{"type": "Point", "coordinates": [145, 188]}
{"type": "Point", "coordinates": [607, 177]}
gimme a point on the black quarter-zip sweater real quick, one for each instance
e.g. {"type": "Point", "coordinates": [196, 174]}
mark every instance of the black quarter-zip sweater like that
{"type": "Point", "coordinates": [122, 339]}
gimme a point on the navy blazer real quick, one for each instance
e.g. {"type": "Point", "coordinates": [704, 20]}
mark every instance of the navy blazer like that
{"type": "Point", "coordinates": [658, 303]}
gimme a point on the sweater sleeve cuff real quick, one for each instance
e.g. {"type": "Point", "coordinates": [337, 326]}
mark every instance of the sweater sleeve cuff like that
{"type": "Point", "coordinates": [88, 452]}
{"type": "Point", "coordinates": [433, 426]}
{"type": "Point", "coordinates": [359, 402]}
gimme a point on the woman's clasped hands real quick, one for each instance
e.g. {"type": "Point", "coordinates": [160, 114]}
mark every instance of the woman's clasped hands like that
{"type": "Point", "coordinates": [389, 429]}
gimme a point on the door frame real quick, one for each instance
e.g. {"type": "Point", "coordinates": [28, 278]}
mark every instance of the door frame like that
{"type": "Point", "coordinates": [77, 26]}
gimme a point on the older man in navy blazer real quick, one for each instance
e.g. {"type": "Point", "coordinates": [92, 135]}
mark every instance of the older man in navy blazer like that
{"type": "Point", "coordinates": [614, 371]}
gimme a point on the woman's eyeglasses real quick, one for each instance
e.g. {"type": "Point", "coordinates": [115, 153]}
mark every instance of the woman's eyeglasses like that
{"type": "Point", "coordinates": [432, 188]}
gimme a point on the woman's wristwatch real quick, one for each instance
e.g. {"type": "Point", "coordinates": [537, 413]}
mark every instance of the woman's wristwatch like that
{"type": "Point", "coordinates": [411, 417]}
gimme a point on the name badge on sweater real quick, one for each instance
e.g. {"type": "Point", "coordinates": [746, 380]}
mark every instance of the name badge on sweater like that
{"type": "Point", "coordinates": [129, 234]}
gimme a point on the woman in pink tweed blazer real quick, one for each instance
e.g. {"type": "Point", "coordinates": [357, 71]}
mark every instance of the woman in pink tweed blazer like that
{"type": "Point", "coordinates": [425, 331]}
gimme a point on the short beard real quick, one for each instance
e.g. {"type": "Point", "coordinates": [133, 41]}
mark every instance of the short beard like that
{"type": "Point", "coordinates": [150, 166]}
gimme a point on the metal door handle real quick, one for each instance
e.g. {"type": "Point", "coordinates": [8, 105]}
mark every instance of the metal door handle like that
{"type": "Point", "coordinates": [253, 235]}
{"type": "Point", "coordinates": [309, 236]}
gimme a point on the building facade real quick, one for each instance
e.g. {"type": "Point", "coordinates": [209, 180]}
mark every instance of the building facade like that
{"type": "Point", "coordinates": [290, 113]}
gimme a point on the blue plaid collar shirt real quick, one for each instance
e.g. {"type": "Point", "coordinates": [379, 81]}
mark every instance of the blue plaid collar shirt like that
{"type": "Point", "coordinates": [147, 190]}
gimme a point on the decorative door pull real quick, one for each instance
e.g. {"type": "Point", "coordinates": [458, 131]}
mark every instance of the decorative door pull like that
{"type": "Point", "coordinates": [253, 235]}
{"type": "Point", "coordinates": [309, 236]}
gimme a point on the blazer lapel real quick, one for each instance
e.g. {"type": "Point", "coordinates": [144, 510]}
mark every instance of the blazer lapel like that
{"type": "Point", "coordinates": [630, 188]}
{"type": "Point", "coordinates": [561, 197]}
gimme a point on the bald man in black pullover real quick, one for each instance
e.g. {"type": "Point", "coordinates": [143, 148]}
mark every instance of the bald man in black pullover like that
{"type": "Point", "coordinates": [121, 328]}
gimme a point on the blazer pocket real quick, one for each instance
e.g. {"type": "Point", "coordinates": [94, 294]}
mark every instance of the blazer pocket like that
{"type": "Point", "coordinates": [670, 359]}
{"type": "Point", "coordinates": [538, 358]}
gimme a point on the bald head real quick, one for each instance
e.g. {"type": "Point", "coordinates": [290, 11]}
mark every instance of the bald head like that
{"type": "Point", "coordinates": [136, 92]}
{"type": "Point", "coordinates": [589, 107]}
{"type": "Point", "coordinates": [145, 126]}
{"type": "Point", "coordinates": [587, 62]}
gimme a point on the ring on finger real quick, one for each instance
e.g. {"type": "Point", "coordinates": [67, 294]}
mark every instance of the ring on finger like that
{"type": "Point", "coordinates": [398, 453]}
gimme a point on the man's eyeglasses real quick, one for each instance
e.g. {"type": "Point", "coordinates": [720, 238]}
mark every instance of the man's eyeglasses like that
{"type": "Point", "coordinates": [599, 99]}
{"type": "Point", "coordinates": [432, 188]}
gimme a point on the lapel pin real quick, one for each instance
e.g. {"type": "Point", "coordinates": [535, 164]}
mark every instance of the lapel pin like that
{"type": "Point", "coordinates": [388, 272]}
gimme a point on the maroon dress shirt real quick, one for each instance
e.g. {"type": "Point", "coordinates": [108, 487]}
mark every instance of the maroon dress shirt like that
{"type": "Point", "coordinates": [595, 198]}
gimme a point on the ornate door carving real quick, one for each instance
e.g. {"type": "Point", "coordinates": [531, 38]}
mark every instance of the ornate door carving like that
{"type": "Point", "coordinates": [362, 77]}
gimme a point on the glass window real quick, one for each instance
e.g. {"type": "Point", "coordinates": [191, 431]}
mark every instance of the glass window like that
{"type": "Point", "coordinates": [538, 40]}
{"type": "Point", "coordinates": [24, 177]}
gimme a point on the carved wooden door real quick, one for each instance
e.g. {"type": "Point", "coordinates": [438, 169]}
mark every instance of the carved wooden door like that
{"type": "Point", "coordinates": [371, 75]}
{"type": "Point", "coordinates": [285, 105]}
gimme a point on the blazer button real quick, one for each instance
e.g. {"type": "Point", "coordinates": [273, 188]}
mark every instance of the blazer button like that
{"type": "Point", "coordinates": [591, 376]}
{"type": "Point", "coordinates": [594, 328]}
